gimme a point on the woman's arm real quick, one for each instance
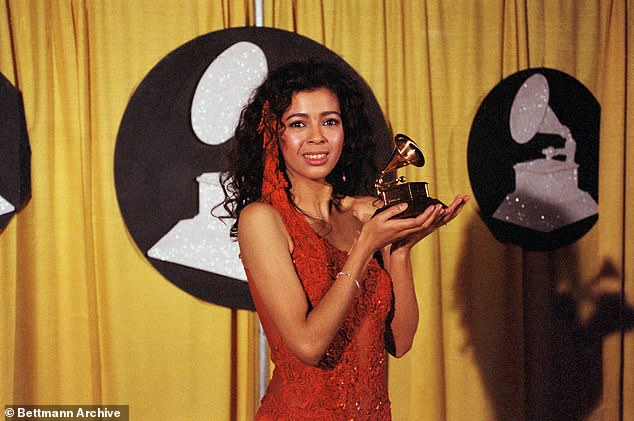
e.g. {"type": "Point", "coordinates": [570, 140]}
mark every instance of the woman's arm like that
{"type": "Point", "coordinates": [266, 248]}
{"type": "Point", "coordinates": [404, 322]}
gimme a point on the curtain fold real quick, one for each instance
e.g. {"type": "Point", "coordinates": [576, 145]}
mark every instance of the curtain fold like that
{"type": "Point", "coordinates": [87, 320]}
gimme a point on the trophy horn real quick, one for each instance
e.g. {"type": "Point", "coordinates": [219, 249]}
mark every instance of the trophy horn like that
{"type": "Point", "coordinates": [396, 191]}
{"type": "Point", "coordinates": [405, 153]}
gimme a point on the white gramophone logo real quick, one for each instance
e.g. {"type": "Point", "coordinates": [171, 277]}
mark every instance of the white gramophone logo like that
{"type": "Point", "coordinates": [5, 206]}
{"type": "Point", "coordinates": [203, 242]}
{"type": "Point", "coordinates": [546, 195]}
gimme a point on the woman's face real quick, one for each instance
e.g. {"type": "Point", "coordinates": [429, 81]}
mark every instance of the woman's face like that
{"type": "Point", "coordinates": [313, 135]}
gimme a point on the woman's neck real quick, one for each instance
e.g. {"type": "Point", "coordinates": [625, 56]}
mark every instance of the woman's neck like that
{"type": "Point", "coordinates": [313, 197]}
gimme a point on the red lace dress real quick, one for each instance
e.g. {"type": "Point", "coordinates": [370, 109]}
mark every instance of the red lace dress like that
{"type": "Point", "coordinates": [350, 382]}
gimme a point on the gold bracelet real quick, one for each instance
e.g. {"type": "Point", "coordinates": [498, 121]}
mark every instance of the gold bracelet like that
{"type": "Point", "coordinates": [351, 277]}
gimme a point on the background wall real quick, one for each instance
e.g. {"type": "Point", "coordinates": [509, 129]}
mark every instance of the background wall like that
{"type": "Point", "coordinates": [505, 334]}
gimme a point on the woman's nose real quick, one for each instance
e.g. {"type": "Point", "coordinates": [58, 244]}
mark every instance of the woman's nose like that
{"type": "Point", "coordinates": [316, 136]}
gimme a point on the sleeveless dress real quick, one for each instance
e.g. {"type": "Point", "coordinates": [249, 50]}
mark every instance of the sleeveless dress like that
{"type": "Point", "coordinates": [350, 381]}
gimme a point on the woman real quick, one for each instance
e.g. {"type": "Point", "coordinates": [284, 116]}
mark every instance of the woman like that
{"type": "Point", "coordinates": [332, 285]}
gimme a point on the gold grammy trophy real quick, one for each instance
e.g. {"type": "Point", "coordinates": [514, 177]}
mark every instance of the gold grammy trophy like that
{"type": "Point", "coordinates": [416, 194]}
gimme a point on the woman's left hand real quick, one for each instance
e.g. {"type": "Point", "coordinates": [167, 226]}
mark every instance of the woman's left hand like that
{"type": "Point", "coordinates": [433, 218]}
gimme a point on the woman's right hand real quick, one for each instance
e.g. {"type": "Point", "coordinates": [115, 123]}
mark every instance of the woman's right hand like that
{"type": "Point", "coordinates": [383, 229]}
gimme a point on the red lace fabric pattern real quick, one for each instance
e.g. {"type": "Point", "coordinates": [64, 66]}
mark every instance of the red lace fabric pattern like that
{"type": "Point", "coordinates": [350, 382]}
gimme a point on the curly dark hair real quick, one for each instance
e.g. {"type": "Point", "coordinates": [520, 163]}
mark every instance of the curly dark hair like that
{"type": "Point", "coordinates": [242, 180]}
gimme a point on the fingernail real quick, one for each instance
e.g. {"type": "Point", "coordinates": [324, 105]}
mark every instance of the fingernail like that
{"type": "Point", "coordinates": [402, 206]}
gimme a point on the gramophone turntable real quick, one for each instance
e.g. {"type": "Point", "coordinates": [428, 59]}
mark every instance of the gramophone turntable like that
{"type": "Point", "coordinates": [415, 194]}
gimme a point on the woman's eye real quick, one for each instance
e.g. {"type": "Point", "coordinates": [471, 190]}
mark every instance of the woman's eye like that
{"type": "Point", "coordinates": [331, 122]}
{"type": "Point", "coordinates": [296, 124]}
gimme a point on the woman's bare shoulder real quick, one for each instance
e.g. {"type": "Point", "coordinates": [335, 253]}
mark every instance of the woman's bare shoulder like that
{"type": "Point", "coordinates": [260, 220]}
{"type": "Point", "coordinates": [257, 214]}
{"type": "Point", "coordinates": [258, 209]}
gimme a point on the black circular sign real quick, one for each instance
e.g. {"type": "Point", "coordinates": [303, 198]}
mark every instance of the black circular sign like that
{"type": "Point", "coordinates": [15, 159]}
{"type": "Point", "coordinates": [533, 159]}
{"type": "Point", "coordinates": [160, 160]}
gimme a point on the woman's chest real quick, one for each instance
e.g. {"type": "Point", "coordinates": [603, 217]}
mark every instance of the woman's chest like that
{"type": "Point", "coordinates": [344, 229]}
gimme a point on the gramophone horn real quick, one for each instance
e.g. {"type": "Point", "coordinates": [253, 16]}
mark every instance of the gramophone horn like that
{"type": "Point", "coordinates": [405, 153]}
{"type": "Point", "coordinates": [530, 112]}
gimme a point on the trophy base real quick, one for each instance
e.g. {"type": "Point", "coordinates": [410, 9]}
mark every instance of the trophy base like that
{"type": "Point", "coordinates": [414, 208]}
{"type": "Point", "coordinates": [415, 194]}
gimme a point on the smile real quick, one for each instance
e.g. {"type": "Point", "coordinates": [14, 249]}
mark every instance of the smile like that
{"type": "Point", "coordinates": [315, 156]}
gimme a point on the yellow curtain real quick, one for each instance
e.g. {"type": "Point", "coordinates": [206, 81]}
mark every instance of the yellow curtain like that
{"type": "Point", "coordinates": [88, 320]}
